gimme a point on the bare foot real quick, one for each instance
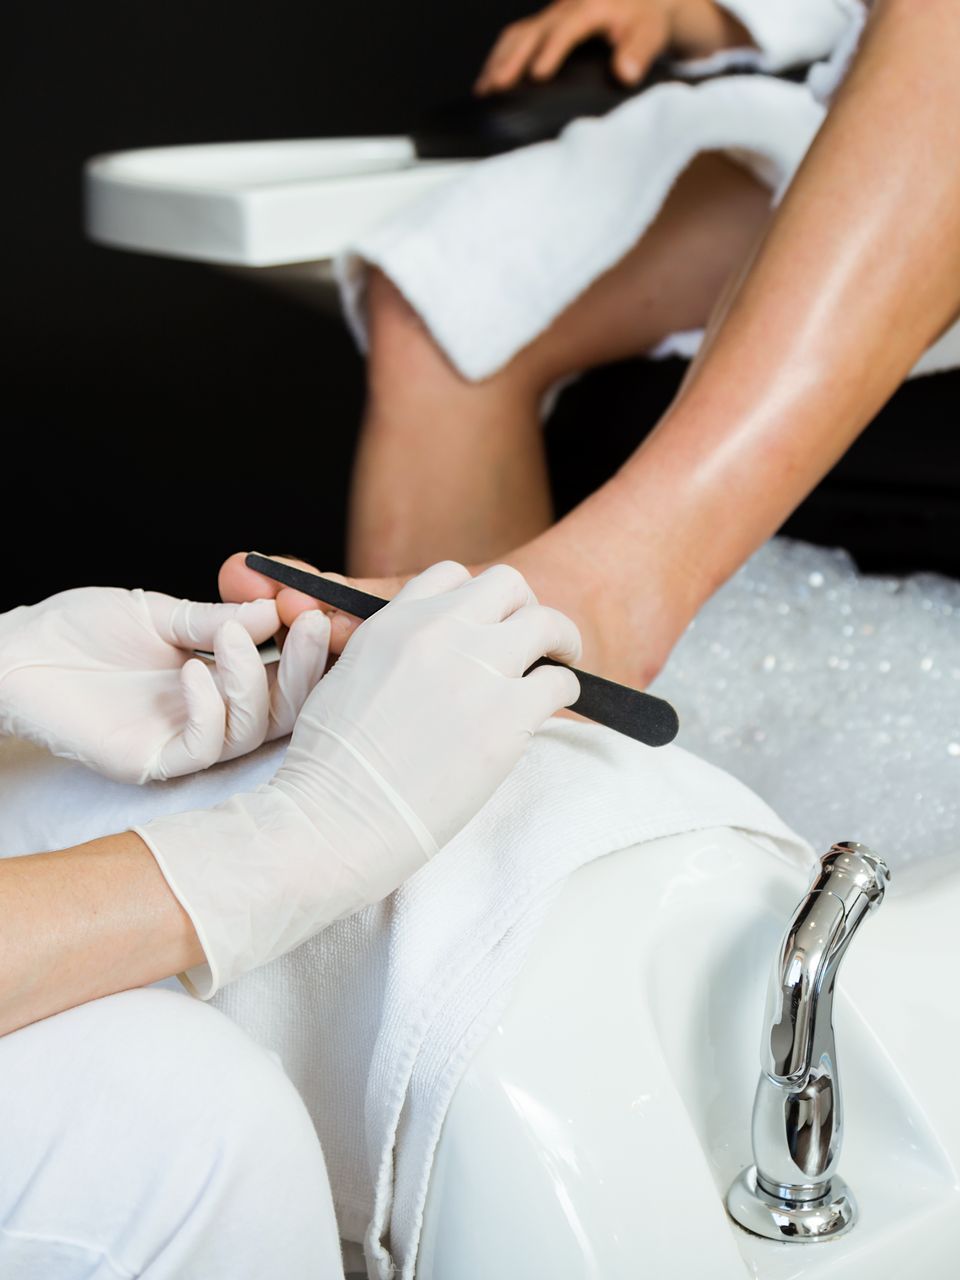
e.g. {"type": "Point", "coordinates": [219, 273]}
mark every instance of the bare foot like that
{"type": "Point", "coordinates": [239, 582]}
{"type": "Point", "coordinates": [629, 618]}
{"type": "Point", "coordinates": [624, 589]}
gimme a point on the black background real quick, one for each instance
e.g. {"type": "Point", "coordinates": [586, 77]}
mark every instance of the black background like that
{"type": "Point", "coordinates": [158, 415]}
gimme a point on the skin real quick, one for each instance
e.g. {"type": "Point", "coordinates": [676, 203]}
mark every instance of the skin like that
{"type": "Point", "coordinates": [638, 31]}
{"type": "Point", "coordinates": [97, 918]}
{"type": "Point", "coordinates": [86, 922]}
{"type": "Point", "coordinates": [822, 319]}
{"type": "Point", "coordinates": [100, 917]}
{"type": "Point", "coordinates": [482, 490]}
{"type": "Point", "coordinates": [807, 341]}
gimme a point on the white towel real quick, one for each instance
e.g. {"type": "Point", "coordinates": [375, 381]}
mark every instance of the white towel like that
{"type": "Point", "coordinates": [790, 33]}
{"type": "Point", "coordinates": [376, 1019]}
{"type": "Point", "coordinates": [490, 259]}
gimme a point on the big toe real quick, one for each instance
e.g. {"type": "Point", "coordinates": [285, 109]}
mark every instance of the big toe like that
{"type": "Point", "coordinates": [239, 582]}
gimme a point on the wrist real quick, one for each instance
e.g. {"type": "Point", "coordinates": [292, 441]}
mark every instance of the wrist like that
{"type": "Point", "coordinates": [263, 872]}
{"type": "Point", "coordinates": [338, 776]}
{"type": "Point", "coordinates": [702, 28]}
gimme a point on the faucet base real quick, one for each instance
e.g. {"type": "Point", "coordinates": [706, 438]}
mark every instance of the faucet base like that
{"type": "Point", "coordinates": [790, 1220]}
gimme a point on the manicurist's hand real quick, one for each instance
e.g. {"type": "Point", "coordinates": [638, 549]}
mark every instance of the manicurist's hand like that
{"type": "Point", "coordinates": [414, 728]}
{"type": "Point", "coordinates": [110, 677]}
{"type": "Point", "coordinates": [638, 31]}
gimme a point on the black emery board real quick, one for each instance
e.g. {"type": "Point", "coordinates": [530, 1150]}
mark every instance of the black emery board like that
{"type": "Point", "coordinates": [641, 716]}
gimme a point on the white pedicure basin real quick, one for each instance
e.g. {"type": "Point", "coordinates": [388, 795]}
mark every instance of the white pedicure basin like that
{"type": "Point", "coordinates": [598, 1130]}
{"type": "Point", "coordinates": [276, 210]}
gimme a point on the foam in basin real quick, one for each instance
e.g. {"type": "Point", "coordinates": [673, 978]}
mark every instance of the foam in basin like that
{"type": "Point", "coordinates": [834, 695]}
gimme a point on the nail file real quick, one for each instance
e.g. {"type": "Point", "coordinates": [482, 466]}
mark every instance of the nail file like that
{"type": "Point", "coordinates": [638, 715]}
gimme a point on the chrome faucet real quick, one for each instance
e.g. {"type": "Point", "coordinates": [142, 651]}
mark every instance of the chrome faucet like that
{"type": "Point", "coordinates": [792, 1192]}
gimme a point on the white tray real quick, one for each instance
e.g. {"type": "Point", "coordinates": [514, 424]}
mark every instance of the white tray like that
{"type": "Point", "coordinates": [253, 204]}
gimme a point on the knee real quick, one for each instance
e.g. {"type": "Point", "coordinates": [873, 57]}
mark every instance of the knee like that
{"type": "Point", "coordinates": [406, 366]}
{"type": "Point", "coordinates": [387, 306]}
{"type": "Point", "coordinates": [206, 1097]}
{"type": "Point", "coordinates": [162, 1128]}
{"type": "Point", "coordinates": [394, 328]}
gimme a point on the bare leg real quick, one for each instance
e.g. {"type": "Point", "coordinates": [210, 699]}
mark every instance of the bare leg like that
{"type": "Point", "coordinates": [855, 277]}
{"type": "Point", "coordinates": [444, 467]}
{"type": "Point", "coordinates": [450, 468]}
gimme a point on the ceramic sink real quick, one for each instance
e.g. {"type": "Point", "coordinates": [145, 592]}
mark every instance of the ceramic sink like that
{"type": "Point", "coordinates": [597, 1131]}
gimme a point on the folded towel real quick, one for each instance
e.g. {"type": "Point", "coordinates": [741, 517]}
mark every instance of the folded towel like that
{"type": "Point", "coordinates": [790, 33]}
{"type": "Point", "coordinates": [376, 1019]}
{"type": "Point", "coordinates": [490, 259]}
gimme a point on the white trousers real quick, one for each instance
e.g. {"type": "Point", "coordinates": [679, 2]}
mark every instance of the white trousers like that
{"type": "Point", "coordinates": [146, 1135]}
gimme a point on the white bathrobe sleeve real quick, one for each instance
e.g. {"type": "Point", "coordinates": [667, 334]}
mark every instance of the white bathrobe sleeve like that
{"type": "Point", "coordinates": [789, 33]}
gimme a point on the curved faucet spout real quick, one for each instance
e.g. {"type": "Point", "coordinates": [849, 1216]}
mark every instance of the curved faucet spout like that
{"type": "Point", "coordinates": [792, 1191]}
{"type": "Point", "coordinates": [798, 990]}
{"type": "Point", "coordinates": [798, 1026]}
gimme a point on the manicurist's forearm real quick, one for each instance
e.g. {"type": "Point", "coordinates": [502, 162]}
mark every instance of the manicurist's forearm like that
{"type": "Point", "coordinates": [858, 273]}
{"type": "Point", "coordinates": [83, 923]}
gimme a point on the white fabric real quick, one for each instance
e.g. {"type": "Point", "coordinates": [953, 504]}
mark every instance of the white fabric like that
{"type": "Point", "coordinates": [790, 33]}
{"type": "Point", "coordinates": [490, 259]}
{"type": "Point", "coordinates": [827, 75]}
{"type": "Point", "coordinates": [377, 1017]}
{"type": "Point", "coordinates": [146, 1135]}
{"type": "Point", "coordinates": [110, 677]}
{"type": "Point", "coordinates": [424, 714]}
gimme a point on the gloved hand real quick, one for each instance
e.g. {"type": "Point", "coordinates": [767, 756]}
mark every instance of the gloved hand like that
{"type": "Point", "coordinates": [423, 716]}
{"type": "Point", "coordinates": [109, 677]}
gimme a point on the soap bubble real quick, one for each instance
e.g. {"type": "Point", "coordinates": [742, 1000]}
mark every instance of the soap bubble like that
{"type": "Point", "coordinates": [818, 687]}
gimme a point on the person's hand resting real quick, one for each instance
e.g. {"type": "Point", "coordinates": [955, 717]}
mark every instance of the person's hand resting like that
{"type": "Point", "coordinates": [639, 31]}
{"type": "Point", "coordinates": [406, 737]}
{"type": "Point", "coordinates": [109, 677]}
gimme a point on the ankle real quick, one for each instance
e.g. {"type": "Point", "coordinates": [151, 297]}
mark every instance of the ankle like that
{"type": "Point", "coordinates": [624, 579]}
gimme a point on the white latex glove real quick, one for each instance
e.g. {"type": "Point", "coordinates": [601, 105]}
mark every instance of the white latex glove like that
{"type": "Point", "coordinates": [109, 677]}
{"type": "Point", "coordinates": [423, 716]}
